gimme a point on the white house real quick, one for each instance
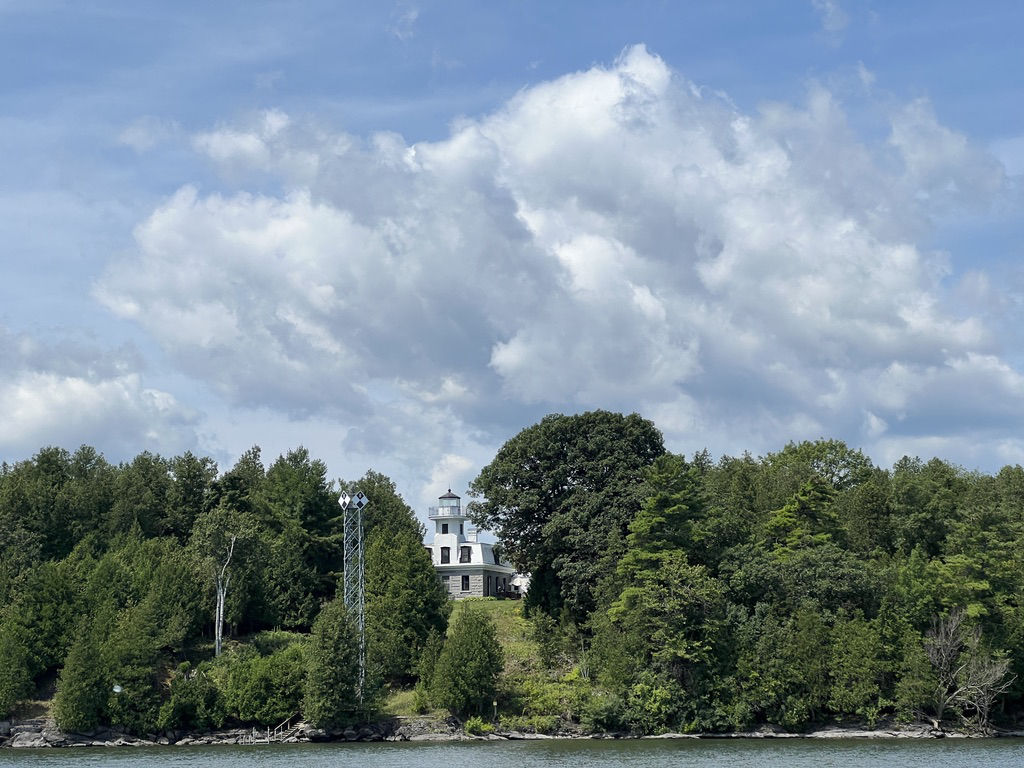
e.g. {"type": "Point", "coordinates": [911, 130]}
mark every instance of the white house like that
{"type": "Point", "coordinates": [467, 567]}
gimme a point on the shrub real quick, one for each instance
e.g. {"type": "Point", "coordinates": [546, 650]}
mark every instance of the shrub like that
{"type": "Point", "coordinates": [196, 702]}
{"type": "Point", "coordinates": [604, 712]}
{"type": "Point", "coordinates": [265, 689]}
{"type": "Point", "coordinates": [332, 668]}
{"type": "Point", "coordinates": [475, 726]}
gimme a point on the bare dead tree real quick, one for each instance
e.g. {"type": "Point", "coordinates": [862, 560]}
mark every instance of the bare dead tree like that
{"type": "Point", "coordinates": [968, 676]}
{"type": "Point", "coordinates": [222, 579]}
{"type": "Point", "coordinates": [981, 679]}
{"type": "Point", "coordinates": [943, 643]}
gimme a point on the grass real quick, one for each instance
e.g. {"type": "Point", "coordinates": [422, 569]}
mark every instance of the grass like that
{"type": "Point", "coordinates": [401, 703]}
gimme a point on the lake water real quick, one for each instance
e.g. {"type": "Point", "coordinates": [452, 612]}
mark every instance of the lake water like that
{"type": "Point", "coordinates": [790, 753]}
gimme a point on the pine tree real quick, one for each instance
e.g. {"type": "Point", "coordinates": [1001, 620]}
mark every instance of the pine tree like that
{"type": "Point", "coordinates": [466, 675]}
{"type": "Point", "coordinates": [332, 669]}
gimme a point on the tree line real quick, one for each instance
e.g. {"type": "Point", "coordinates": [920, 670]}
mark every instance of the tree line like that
{"type": "Point", "coordinates": [800, 587]}
{"type": "Point", "coordinates": [118, 583]}
{"type": "Point", "coordinates": [668, 592]}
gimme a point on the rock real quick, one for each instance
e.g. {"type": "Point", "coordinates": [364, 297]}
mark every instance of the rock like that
{"type": "Point", "coordinates": [673, 736]}
{"type": "Point", "coordinates": [27, 740]}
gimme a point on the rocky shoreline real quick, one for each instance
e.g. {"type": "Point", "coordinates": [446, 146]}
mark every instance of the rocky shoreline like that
{"type": "Point", "coordinates": [42, 733]}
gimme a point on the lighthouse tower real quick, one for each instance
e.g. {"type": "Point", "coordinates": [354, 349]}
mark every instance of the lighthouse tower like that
{"type": "Point", "coordinates": [467, 567]}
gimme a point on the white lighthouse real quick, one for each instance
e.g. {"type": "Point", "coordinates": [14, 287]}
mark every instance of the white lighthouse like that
{"type": "Point", "coordinates": [467, 567]}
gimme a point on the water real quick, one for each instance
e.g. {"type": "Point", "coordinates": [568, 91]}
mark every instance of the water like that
{"type": "Point", "coordinates": [951, 753]}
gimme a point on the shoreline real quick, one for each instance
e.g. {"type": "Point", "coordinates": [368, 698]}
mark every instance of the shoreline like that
{"type": "Point", "coordinates": [42, 734]}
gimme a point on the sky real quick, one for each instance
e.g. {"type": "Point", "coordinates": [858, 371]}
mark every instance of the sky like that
{"type": "Point", "coordinates": [399, 233]}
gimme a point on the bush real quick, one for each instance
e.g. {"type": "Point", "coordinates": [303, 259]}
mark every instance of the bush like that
{"type": "Point", "coordinates": [475, 726]}
{"type": "Point", "coordinates": [466, 673]}
{"type": "Point", "coordinates": [196, 702]}
{"type": "Point", "coordinates": [604, 712]}
{"type": "Point", "coordinates": [421, 698]}
{"type": "Point", "coordinates": [265, 689]}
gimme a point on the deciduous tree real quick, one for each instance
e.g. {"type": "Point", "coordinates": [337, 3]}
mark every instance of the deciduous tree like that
{"type": "Point", "coordinates": [561, 495]}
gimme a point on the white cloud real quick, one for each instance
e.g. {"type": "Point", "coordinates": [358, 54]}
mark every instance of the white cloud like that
{"type": "Point", "coordinates": [70, 393]}
{"type": "Point", "coordinates": [615, 238]}
{"type": "Point", "coordinates": [942, 166]}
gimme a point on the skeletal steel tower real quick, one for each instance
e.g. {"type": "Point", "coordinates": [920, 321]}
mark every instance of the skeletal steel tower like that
{"type": "Point", "coordinates": [355, 599]}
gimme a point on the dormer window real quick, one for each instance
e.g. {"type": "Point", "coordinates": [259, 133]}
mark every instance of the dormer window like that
{"type": "Point", "coordinates": [464, 554]}
{"type": "Point", "coordinates": [446, 555]}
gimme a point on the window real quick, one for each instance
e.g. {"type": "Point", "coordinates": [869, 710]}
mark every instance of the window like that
{"type": "Point", "coordinates": [444, 527]}
{"type": "Point", "coordinates": [465, 582]}
{"type": "Point", "coordinates": [446, 554]}
{"type": "Point", "coordinates": [462, 529]}
{"type": "Point", "coordinates": [464, 554]}
{"type": "Point", "coordinates": [445, 582]}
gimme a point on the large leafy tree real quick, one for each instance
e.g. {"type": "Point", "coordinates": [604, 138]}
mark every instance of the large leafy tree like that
{"type": "Point", "coordinates": [561, 495]}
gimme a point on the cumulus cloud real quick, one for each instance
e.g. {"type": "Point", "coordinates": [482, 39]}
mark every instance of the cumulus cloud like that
{"type": "Point", "coordinates": [615, 238]}
{"type": "Point", "coordinates": [69, 393]}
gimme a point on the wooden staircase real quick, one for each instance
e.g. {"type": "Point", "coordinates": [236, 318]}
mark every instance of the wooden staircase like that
{"type": "Point", "coordinates": [284, 731]}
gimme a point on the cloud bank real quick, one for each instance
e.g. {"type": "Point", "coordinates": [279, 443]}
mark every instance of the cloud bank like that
{"type": "Point", "coordinates": [86, 395]}
{"type": "Point", "coordinates": [616, 238]}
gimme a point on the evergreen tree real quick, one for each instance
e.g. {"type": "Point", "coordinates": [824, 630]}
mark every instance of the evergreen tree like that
{"type": "Point", "coordinates": [83, 687]}
{"type": "Point", "coordinates": [466, 674]}
{"type": "Point", "coordinates": [332, 669]}
{"type": "Point", "coordinates": [405, 602]}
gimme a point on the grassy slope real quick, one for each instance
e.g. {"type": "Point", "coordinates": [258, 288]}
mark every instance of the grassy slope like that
{"type": "Point", "coordinates": [530, 694]}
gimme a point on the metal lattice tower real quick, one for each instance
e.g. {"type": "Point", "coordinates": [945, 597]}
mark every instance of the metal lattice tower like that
{"type": "Point", "coordinates": [355, 591]}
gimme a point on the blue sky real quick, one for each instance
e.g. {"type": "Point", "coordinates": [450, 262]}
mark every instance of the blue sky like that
{"type": "Point", "coordinates": [397, 233]}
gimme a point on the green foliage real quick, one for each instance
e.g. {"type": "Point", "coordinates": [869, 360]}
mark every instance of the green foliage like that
{"type": "Point", "coordinates": [858, 669]}
{"type": "Point", "coordinates": [652, 704]}
{"type": "Point", "coordinates": [265, 688]}
{"type": "Point", "coordinates": [405, 601]}
{"type": "Point", "coordinates": [196, 701]}
{"type": "Point", "coordinates": [801, 587]}
{"type": "Point", "coordinates": [15, 671]}
{"type": "Point", "coordinates": [475, 726]}
{"type": "Point", "coordinates": [332, 669]}
{"type": "Point", "coordinates": [561, 495]}
{"type": "Point", "coordinates": [131, 659]}
{"type": "Point", "coordinates": [466, 674]}
{"type": "Point", "coordinates": [530, 723]}
{"type": "Point", "coordinates": [606, 712]}
{"type": "Point", "coordinates": [83, 687]}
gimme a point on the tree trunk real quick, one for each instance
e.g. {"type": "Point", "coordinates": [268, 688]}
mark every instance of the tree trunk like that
{"type": "Point", "coordinates": [223, 580]}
